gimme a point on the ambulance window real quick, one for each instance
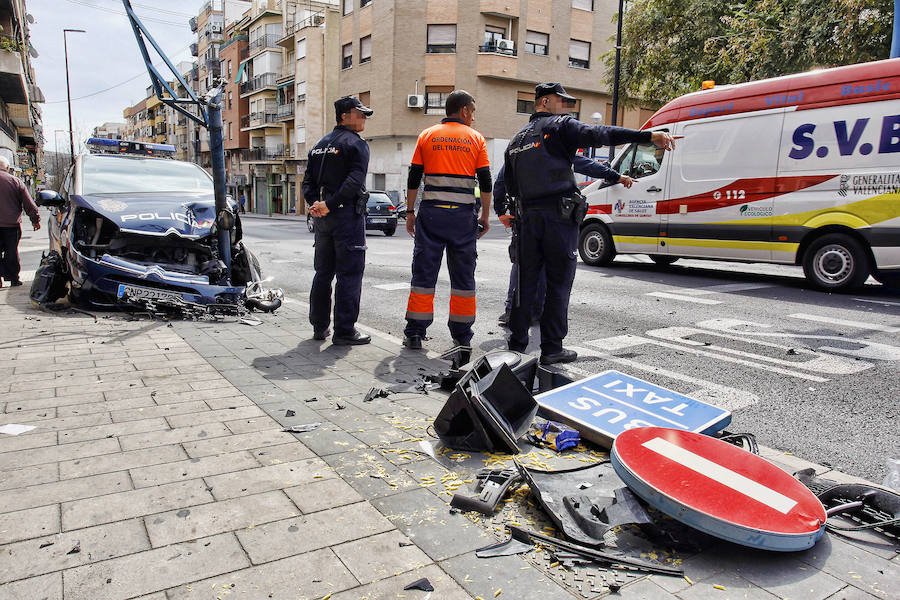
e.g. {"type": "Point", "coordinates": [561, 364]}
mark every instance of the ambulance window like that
{"type": "Point", "coordinates": [718, 150]}
{"type": "Point", "coordinates": [626, 158]}
{"type": "Point", "coordinates": [647, 160]}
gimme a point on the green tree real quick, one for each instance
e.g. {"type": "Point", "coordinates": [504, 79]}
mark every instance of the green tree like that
{"type": "Point", "coordinates": [671, 47]}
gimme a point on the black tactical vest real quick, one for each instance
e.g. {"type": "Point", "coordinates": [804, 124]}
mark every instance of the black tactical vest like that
{"type": "Point", "coordinates": [539, 173]}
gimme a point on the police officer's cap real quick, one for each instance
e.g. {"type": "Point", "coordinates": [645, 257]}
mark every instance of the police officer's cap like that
{"type": "Point", "coordinates": [545, 89]}
{"type": "Point", "coordinates": [348, 103]}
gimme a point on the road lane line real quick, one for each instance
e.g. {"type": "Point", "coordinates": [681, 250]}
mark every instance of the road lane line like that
{"type": "Point", "coordinates": [669, 296]}
{"type": "Point", "coordinates": [884, 302]}
{"type": "Point", "coordinates": [726, 288]}
{"type": "Point", "coordinates": [716, 472]}
{"type": "Point", "coordinates": [857, 324]}
{"type": "Point", "coordinates": [392, 286]}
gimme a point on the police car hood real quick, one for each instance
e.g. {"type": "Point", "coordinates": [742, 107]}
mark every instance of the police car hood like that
{"type": "Point", "coordinates": [186, 215]}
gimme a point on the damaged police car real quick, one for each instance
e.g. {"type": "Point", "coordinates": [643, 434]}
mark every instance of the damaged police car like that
{"type": "Point", "coordinates": [131, 227]}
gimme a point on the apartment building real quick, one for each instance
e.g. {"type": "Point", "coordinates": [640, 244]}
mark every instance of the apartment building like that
{"type": "Point", "coordinates": [236, 140]}
{"type": "Point", "coordinates": [404, 58]}
{"type": "Point", "coordinates": [112, 131]}
{"type": "Point", "coordinates": [21, 134]}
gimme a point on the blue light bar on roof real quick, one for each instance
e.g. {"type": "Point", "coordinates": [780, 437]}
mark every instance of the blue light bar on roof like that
{"type": "Point", "coordinates": [110, 146]}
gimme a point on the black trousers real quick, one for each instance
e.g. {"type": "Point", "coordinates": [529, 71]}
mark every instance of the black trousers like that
{"type": "Point", "coordinates": [549, 242]}
{"type": "Point", "coordinates": [9, 252]}
{"type": "Point", "coordinates": [340, 253]}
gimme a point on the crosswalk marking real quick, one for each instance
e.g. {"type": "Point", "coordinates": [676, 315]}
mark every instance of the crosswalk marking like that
{"type": "Point", "coordinates": [683, 298]}
{"type": "Point", "coordinates": [884, 302]}
{"type": "Point", "coordinates": [392, 286]}
{"type": "Point", "coordinates": [846, 323]}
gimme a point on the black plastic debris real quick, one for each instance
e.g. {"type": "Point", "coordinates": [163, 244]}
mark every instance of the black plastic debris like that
{"type": "Point", "coordinates": [301, 428]}
{"type": "Point", "coordinates": [585, 502]}
{"type": "Point", "coordinates": [76, 549]}
{"type": "Point", "coordinates": [491, 486]}
{"type": "Point", "coordinates": [487, 412]}
{"type": "Point", "coordinates": [375, 393]}
{"type": "Point", "coordinates": [523, 366]}
{"type": "Point", "coordinates": [853, 507]}
{"type": "Point", "coordinates": [45, 545]}
{"type": "Point", "coordinates": [289, 413]}
{"type": "Point", "coordinates": [420, 584]}
{"type": "Point", "coordinates": [604, 558]}
{"type": "Point", "coordinates": [506, 548]}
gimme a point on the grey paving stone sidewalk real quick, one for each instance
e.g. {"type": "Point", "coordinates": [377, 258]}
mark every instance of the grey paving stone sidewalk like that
{"type": "Point", "coordinates": [158, 469]}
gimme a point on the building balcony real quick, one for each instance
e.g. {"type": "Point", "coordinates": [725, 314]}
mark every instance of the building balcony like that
{"type": "Point", "coordinates": [213, 64]}
{"type": "Point", "coordinates": [293, 27]}
{"type": "Point", "coordinates": [285, 111]}
{"type": "Point", "coordinates": [273, 154]}
{"type": "Point", "coordinates": [262, 42]}
{"type": "Point", "coordinates": [193, 23]}
{"type": "Point", "coordinates": [496, 49]}
{"type": "Point", "coordinates": [12, 78]}
{"type": "Point", "coordinates": [194, 49]}
{"type": "Point", "coordinates": [500, 8]}
{"type": "Point", "coordinates": [259, 82]}
{"type": "Point", "coordinates": [259, 119]}
{"type": "Point", "coordinates": [491, 64]}
{"type": "Point", "coordinates": [286, 72]}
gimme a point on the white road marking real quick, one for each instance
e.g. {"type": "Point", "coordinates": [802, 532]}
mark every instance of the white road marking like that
{"type": "Point", "coordinates": [845, 323]}
{"type": "Point", "coordinates": [739, 483]}
{"type": "Point", "coordinates": [884, 302]}
{"type": "Point", "coordinates": [867, 349]}
{"type": "Point", "coordinates": [669, 296]}
{"type": "Point", "coordinates": [392, 286]}
{"type": "Point", "coordinates": [724, 397]}
{"type": "Point", "coordinates": [719, 356]}
{"type": "Point", "coordinates": [725, 288]}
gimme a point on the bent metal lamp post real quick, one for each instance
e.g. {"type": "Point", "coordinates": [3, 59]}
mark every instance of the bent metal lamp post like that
{"type": "Point", "coordinates": [209, 108]}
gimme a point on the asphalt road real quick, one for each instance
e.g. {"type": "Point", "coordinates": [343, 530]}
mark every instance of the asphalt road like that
{"type": "Point", "coordinates": [807, 372]}
{"type": "Point", "coordinates": [811, 373]}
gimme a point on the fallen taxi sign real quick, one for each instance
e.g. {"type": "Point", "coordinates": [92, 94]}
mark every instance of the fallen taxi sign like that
{"type": "Point", "coordinates": [604, 405]}
{"type": "Point", "coordinates": [718, 488]}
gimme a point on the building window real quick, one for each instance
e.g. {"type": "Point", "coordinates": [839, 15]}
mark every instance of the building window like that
{"type": "Point", "coordinates": [365, 98]}
{"type": "Point", "coordinates": [525, 103]}
{"type": "Point", "coordinates": [441, 39]}
{"type": "Point", "coordinates": [436, 98]}
{"type": "Point", "coordinates": [229, 130]}
{"type": "Point", "coordinates": [579, 54]}
{"type": "Point", "coordinates": [365, 49]}
{"type": "Point", "coordinates": [301, 48]}
{"type": "Point", "coordinates": [583, 4]}
{"type": "Point", "coordinates": [537, 42]}
{"type": "Point", "coordinates": [230, 98]}
{"type": "Point", "coordinates": [348, 7]}
{"type": "Point", "coordinates": [347, 53]}
{"type": "Point", "coordinates": [229, 70]}
{"type": "Point", "coordinates": [492, 37]}
{"type": "Point", "coordinates": [301, 91]}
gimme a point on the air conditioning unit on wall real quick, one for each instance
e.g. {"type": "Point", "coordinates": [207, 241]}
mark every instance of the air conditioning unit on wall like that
{"type": "Point", "coordinates": [415, 101]}
{"type": "Point", "coordinates": [506, 46]}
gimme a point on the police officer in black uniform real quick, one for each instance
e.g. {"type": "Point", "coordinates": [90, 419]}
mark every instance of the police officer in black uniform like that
{"type": "Point", "coordinates": [539, 175]}
{"type": "Point", "coordinates": [335, 191]}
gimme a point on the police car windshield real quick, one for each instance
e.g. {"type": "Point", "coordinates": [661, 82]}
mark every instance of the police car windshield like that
{"type": "Point", "coordinates": [126, 175]}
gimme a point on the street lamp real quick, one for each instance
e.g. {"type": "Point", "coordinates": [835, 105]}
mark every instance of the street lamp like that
{"type": "Point", "coordinates": [68, 93]}
{"type": "Point", "coordinates": [615, 96]}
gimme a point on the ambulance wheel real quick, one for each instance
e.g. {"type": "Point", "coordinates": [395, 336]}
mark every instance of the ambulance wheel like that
{"type": "Point", "coordinates": [595, 245]}
{"type": "Point", "coordinates": [663, 259]}
{"type": "Point", "coordinates": [836, 262]}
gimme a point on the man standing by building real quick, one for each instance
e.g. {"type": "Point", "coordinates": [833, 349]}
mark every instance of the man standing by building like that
{"type": "Point", "coordinates": [539, 175]}
{"type": "Point", "coordinates": [452, 156]}
{"type": "Point", "coordinates": [503, 207]}
{"type": "Point", "coordinates": [334, 189]}
{"type": "Point", "coordinates": [14, 199]}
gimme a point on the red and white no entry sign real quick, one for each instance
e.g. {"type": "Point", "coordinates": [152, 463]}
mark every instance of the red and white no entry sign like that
{"type": "Point", "coordinates": [718, 488]}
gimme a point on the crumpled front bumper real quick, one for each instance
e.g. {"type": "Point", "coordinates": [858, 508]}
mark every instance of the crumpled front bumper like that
{"type": "Point", "coordinates": [107, 280]}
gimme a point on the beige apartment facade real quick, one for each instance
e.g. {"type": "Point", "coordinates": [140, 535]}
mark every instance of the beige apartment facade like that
{"type": "Point", "coordinates": [405, 57]}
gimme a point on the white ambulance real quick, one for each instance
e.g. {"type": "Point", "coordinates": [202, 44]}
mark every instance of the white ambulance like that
{"type": "Point", "coordinates": [802, 169]}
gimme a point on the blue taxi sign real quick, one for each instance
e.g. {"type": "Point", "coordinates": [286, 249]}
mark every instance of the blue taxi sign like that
{"type": "Point", "coordinates": [604, 405]}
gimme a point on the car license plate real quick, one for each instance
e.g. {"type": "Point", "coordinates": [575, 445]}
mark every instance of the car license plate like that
{"type": "Point", "coordinates": [379, 220]}
{"type": "Point", "coordinates": [133, 292]}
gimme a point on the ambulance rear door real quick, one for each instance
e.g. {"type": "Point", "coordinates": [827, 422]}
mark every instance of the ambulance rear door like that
{"type": "Point", "coordinates": [722, 186]}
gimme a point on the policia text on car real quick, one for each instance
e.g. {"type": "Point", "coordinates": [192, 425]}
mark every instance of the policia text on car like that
{"type": "Point", "coordinates": [451, 155]}
{"type": "Point", "coordinates": [334, 188]}
{"type": "Point", "coordinates": [538, 165]}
